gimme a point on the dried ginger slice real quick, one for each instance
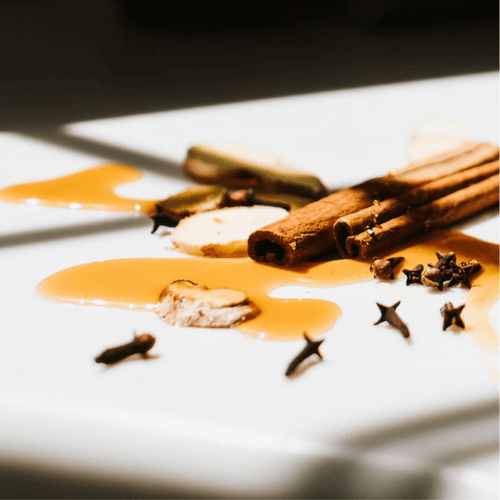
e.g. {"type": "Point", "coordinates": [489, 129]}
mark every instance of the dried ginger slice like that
{"type": "Point", "coordinates": [239, 166]}
{"type": "Point", "coordinates": [184, 303]}
{"type": "Point", "coordinates": [223, 232]}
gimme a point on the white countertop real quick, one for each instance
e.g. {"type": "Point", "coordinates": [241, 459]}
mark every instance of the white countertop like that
{"type": "Point", "coordinates": [214, 414]}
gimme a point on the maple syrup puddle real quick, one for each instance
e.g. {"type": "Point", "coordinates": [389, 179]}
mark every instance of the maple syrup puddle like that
{"type": "Point", "coordinates": [136, 284]}
{"type": "Point", "coordinates": [91, 189]}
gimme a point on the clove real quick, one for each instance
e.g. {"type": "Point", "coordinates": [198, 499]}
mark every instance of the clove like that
{"type": "Point", "coordinates": [435, 277]}
{"type": "Point", "coordinates": [312, 347]}
{"type": "Point", "coordinates": [451, 315]}
{"type": "Point", "coordinates": [140, 345]}
{"type": "Point", "coordinates": [390, 315]}
{"type": "Point", "coordinates": [161, 218]}
{"type": "Point", "coordinates": [414, 276]}
{"type": "Point", "coordinates": [463, 272]}
{"type": "Point", "coordinates": [445, 260]}
{"type": "Point", "coordinates": [384, 268]}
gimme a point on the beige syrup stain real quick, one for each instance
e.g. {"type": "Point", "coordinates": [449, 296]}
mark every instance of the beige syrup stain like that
{"type": "Point", "coordinates": [91, 189]}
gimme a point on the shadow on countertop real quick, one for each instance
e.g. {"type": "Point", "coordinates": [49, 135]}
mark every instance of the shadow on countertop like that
{"type": "Point", "coordinates": [403, 461]}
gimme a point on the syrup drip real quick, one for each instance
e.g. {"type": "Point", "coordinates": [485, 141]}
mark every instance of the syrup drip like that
{"type": "Point", "coordinates": [91, 189]}
{"type": "Point", "coordinates": [137, 283]}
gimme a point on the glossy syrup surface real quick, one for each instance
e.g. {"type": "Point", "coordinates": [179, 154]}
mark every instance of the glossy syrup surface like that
{"type": "Point", "coordinates": [137, 283]}
{"type": "Point", "coordinates": [91, 189]}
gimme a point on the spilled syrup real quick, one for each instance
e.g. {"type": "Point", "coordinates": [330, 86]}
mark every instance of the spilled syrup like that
{"type": "Point", "coordinates": [136, 284]}
{"type": "Point", "coordinates": [91, 189]}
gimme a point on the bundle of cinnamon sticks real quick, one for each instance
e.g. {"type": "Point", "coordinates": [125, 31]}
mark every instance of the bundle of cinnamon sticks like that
{"type": "Point", "coordinates": [373, 216]}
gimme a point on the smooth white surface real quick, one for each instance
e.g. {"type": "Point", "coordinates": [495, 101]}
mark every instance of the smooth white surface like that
{"type": "Point", "coordinates": [213, 411]}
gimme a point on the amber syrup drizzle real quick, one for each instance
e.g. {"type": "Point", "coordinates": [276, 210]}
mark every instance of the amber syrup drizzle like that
{"type": "Point", "coordinates": [91, 189]}
{"type": "Point", "coordinates": [108, 283]}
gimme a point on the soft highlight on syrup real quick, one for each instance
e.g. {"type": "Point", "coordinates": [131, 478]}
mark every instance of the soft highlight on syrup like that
{"type": "Point", "coordinates": [137, 283]}
{"type": "Point", "coordinates": [91, 189]}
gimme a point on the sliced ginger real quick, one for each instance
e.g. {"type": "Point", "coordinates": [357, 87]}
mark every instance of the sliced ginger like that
{"type": "Point", "coordinates": [184, 303]}
{"type": "Point", "coordinates": [223, 232]}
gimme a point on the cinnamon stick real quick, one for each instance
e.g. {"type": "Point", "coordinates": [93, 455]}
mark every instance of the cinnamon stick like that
{"type": "Point", "coordinates": [307, 233]}
{"type": "Point", "coordinates": [437, 214]}
{"type": "Point", "coordinates": [371, 217]}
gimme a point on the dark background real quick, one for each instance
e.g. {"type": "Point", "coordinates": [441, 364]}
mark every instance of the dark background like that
{"type": "Point", "coordinates": [68, 60]}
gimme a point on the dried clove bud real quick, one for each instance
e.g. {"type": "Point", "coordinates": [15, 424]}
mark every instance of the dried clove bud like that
{"type": "Point", "coordinates": [435, 277]}
{"type": "Point", "coordinates": [160, 218]}
{"type": "Point", "coordinates": [140, 345]}
{"type": "Point", "coordinates": [463, 272]}
{"type": "Point", "coordinates": [312, 347]}
{"type": "Point", "coordinates": [445, 260]}
{"type": "Point", "coordinates": [390, 315]}
{"type": "Point", "coordinates": [414, 276]}
{"type": "Point", "coordinates": [384, 268]}
{"type": "Point", "coordinates": [451, 315]}
{"type": "Point", "coordinates": [474, 265]}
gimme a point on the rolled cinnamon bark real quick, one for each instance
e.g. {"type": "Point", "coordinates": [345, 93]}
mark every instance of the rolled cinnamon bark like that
{"type": "Point", "coordinates": [374, 215]}
{"type": "Point", "coordinates": [307, 232]}
{"type": "Point", "coordinates": [437, 214]}
{"type": "Point", "coordinates": [466, 156]}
